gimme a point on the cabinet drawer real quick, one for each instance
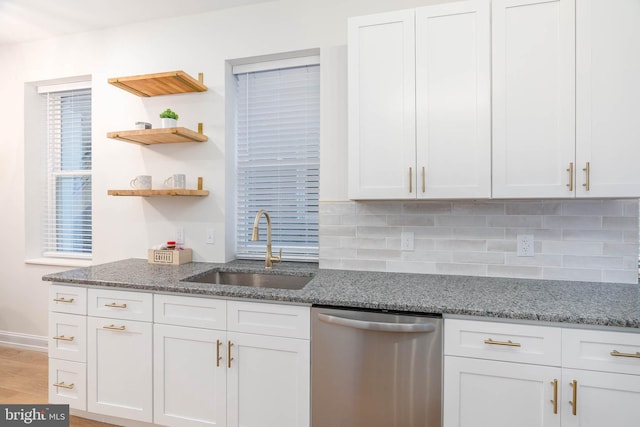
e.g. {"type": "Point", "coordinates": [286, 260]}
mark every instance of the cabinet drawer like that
{"type": "Point", "coordinates": [268, 319]}
{"type": "Point", "coordinates": [121, 304]}
{"type": "Point", "coordinates": [503, 341]}
{"type": "Point", "coordinates": [190, 311]}
{"type": "Point", "coordinates": [68, 299]}
{"type": "Point", "coordinates": [68, 337]}
{"type": "Point", "coordinates": [68, 383]}
{"type": "Point", "coordinates": [601, 350]}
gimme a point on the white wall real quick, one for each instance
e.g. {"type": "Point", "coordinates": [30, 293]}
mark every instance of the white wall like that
{"type": "Point", "coordinates": [126, 227]}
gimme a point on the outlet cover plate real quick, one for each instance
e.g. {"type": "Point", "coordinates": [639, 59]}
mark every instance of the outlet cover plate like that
{"type": "Point", "coordinates": [525, 245]}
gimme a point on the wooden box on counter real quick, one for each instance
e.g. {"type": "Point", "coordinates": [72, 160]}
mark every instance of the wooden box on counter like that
{"type": "Point", "coordinates": [169, 256]}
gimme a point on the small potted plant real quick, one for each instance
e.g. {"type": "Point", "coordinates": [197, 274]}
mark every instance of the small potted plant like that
{"type": "Point", "coordinates": [169, 118]}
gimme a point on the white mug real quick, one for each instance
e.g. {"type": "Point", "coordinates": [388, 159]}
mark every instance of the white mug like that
{"type": "Point", "coordinates": [141, 182]}
{"type": "Point", "coordinates": [178, 180]}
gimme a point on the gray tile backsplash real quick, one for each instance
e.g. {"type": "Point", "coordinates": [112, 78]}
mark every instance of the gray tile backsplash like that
{"type": "Point", "coordinates": [592, 240]}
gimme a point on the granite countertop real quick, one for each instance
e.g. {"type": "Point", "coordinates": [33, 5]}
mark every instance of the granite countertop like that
{"type": "Point", "coordinates": [602, 304]}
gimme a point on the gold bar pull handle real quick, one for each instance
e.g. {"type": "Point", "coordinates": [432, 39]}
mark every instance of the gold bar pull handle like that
{"type": "Point", "coordinates": [587, 170]}
{"type": "Point", "coordinates": [114, 305]}
{"type": "Point", "coordinates": [507, 343]}
{"type": "Point", "coordinates": [63, 385]}
{"type": "Point", "coordinates": [424, 182]}
{"type": "Point", "coordinates": [218, 357]}
{"type": "Point", "coordinates": [574, 402]}
{"type": "Point", "coordinates": [554, 401]}
{"type": "Point", "coordinates": [63, 338]}
{"type": "Point", "coordinates": [69, 301]}
{"type": "Point", "coordinates": [570, 170]}
{"type": "Point", "coordinates": [616, 353]}
{"type": "Point", "coordinates": [114, 327]}
{"type": "Point", "coordinates": [229, 358]}
{"type": "Point", "coordinates": [410, 180]}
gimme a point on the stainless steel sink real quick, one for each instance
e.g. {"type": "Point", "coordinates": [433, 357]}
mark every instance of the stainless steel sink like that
{"type": "Point", "coordinates": [255, 280]}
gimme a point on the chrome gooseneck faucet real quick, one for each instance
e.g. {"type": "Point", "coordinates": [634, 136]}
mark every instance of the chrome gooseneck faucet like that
{"type": "Point", "coordinates": [269, 258]}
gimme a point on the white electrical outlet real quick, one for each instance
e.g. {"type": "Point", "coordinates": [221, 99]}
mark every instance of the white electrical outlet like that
{"type": "Point", "coordinates": [180, 236]}
{"type": "Point", "coordinates": [525, 245]}
{"type": "Point", "coordinates": [211, 236]}
{"type": "Point", "coordinates": [406, 240]}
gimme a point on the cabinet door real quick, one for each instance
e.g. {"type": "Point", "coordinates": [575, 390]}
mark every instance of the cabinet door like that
{"type": "Point", "coordinates": [453, 100]}
{"type": "Point", "coordinates": [607, 97]}
{"type": "Point", "coordinates": [602, 399]}
{"type": "Point", "coordinates": [533, 52]}
{"type": "Point", "coordinates": [382, 106]}
{"type": "Point", "coordinates": [119, 374]}
{"type": "Point", "coordinates": [268, 383]}
{"type": "Point", "coordinates": [189, 368]}
{"type": "Point", "coordinates": [499, 394]}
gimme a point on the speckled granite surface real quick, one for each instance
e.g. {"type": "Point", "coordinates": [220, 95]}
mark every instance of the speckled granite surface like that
{"type": "Point", "coordinates": [602, 304]}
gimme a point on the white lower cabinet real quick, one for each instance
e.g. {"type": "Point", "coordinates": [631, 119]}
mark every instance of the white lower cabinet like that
{"type": "Point", "coordinates": [119, 373]}
{"type": "Point", "coordinates": [499, 394]}
{"type": "Point", "coordinates": [189, 376]}
{"type": "Point", "coordinates": [268, 381]}
{"type": "Point", "coordinates": [596, 383]}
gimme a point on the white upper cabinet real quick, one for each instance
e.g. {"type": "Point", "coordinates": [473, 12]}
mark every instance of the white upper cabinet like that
{"type": "Point", "coordinates": [381, 105]}
{"type": "Point", "coordinates": [533, 97]}
{"type": "Point", "coordinates": [453, 100]}
{"type": "Point", "coordinates": [608, 97]}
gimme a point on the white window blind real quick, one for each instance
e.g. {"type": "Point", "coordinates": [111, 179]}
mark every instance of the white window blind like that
{"type": "Point", "coordinates": [278, 160]}
{"type": "Point", "coordinates": [67, 228]}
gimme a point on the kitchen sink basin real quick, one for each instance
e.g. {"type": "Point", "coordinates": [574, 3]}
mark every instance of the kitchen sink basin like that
{"type": "Point", "coordinates": [254, 280]}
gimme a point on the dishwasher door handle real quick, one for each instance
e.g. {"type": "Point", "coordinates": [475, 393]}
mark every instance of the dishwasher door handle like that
{"type": "Point", "coordinates": [377, 326]}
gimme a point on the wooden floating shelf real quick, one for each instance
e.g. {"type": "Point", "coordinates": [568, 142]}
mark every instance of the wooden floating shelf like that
{"type": "Point", "coordinates": [159, 136]}
{"type": "Point", "coordinates": [165, 192]}
{"type": "Point", "coordinates": [168, 83]}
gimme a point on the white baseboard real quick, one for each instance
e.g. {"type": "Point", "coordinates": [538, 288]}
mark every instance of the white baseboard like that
{"type": "Point", "coordinates": [24, 341]}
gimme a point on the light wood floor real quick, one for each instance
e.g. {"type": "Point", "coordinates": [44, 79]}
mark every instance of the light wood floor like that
{"type": "Point", "coordinates": [24, 377]}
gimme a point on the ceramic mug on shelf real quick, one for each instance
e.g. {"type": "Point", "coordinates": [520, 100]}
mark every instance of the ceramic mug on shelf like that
{"type": "Point", "coordinates": [141, 182]}
{"type": "Point", "coordinates": [178, 180]}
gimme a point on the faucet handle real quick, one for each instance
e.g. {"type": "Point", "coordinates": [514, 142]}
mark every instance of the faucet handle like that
{"type": "Point", "coordinates": [277, 258]}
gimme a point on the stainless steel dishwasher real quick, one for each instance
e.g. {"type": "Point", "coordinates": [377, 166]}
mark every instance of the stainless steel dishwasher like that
{"type": "Point", "coordinates": [375, 369]}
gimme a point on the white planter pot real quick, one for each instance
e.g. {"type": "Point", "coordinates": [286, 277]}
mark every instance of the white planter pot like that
{"type": "Point", "coordinates": [169, 123]}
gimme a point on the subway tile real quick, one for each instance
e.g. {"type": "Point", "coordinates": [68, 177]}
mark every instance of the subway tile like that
{"type": "Point", "coordinates": [539, 234]}
{"type": "Point", "coordinates": [428, 256]}
{"type": "Point", "coordinates": [341, 253]}
{"type": "Point", "coordinates": [374, 231]}
{"type": "Point", "coordinates": [418, 208]}
{"type": "Point", "coordinates": [478, 233]}
{"type": "Point", "coordinates": [418, 244]}
{"type": "Point", "coordinates": [525, 208]}
{"type": "Point", "coordinates": [378, 220]}
{"type": "Point", "coordinates": [630, 236]}
{"type": "Point", "coordinates": [364, 242]}
{"type": "Point", "coordinates": [461, 245]}
{"type": "Point", "coordinates": [330, 264]}
{"type": "Point", "coordinates": [478, 208]}
{"type": "Point", "coordinates": [572, 247]}
{"type": "Point", "coordinates": [329, 242]}
{"type": "Point", "coordinates": [541, 260]}
{"type": "Point", "coordinates": [513, 221]}
{"type": "Point", "coordinates": [592, 208]}
{"type": "Point", "coordinates": [515, 271]}
{"type": "Point", "coordinates": [430, 232]}
{"type": "Point", "coordinates": [502, 245]}
{"type": "Point", "coordinates": [378, 208]}
{"type": "Point", "coordinates": [622, 249]}
{"type": "Point", "coordinates": [574, 222]}
{"type": "Point", "coordinates": [461, 221]}
{"type": "Point", "coordinates": [329, 220]}
{"type": "Point", "coordinates": [620, 276]}
{"type": "Point", "coordinates": [363, 265]}
{"type": "Point", "coordinates": [631, 208]}
{"type": "Point", "coordinates": [411, 267]}
{"type": "Point", "coordinates": [479, 257]}
{"type": "Point", "coordinates": [461, 269]}
{"type": "Point", "coordinates": [592, 261]}
{"type": "Point", "coordinates": [378, 254]}
{"type": "Point", "coordinates": [585, 275]}
{"type": "Point", "coordinates": [593, 235]}
{"type": "Point", "coordinates": [411, 220]}
{"type": "Point", "coordinates": [619, 223]}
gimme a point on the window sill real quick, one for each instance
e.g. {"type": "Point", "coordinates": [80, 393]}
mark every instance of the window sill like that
{"type": "Point", "coordinates": [60, 262]}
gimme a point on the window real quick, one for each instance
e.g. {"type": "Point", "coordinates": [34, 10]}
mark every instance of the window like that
{"type": "Point", "coordinates": [277, 129]}
{"type": "Point", "coordinates": [67, 217]}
